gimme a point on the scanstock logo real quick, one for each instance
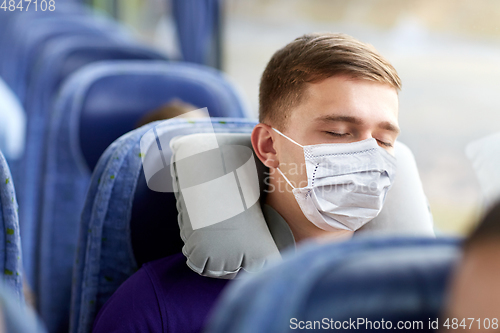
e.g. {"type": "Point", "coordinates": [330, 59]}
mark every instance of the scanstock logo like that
{"type": "Point", "coordinates": [217, 179]}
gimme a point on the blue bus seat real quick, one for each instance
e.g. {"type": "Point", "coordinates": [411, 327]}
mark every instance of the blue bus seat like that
{"type": "Point", "coordinates": [109, 114]}
{"type": "Point", "coordinates": [198, 28]}
{"type": "Point", "coordinates": [394, 279]}
{"type": "Point", "coordinates": [29, 43]}
{"type": "Point", "coordinates": [62, 57]}
{"type": "Point", "coordinates": [119, 211]}
{"type": "Point", "coordinates": [13, 22]}
{"type": "Point", "coordinates": [96, 105]}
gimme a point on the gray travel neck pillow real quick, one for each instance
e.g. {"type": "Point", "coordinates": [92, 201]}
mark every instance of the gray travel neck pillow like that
{"type": "Point", "coordinates": [220, 217]}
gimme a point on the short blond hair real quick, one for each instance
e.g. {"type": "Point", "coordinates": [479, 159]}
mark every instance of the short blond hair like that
{"type": "Point", "coordinates": [312, 58]}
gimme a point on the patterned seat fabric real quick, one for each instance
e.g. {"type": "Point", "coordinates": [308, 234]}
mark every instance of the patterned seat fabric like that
{"type": "Point", "coordinates": [10, 243]}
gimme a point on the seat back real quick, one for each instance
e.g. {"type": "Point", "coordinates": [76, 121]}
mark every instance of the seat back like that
{"type": "Point", "coordinates": [22, 64]}
{"type": "Point", "coordinates": [10, 242]}
{"type": "Point", "coordinates": [62, 57]}
{"type": "Point", "coordinates": [19, 62]}
{"type": "Point", "coordinates": [97, 105]}
{"type": "Point", "coordinates": [28, 40]}
{"type": "Point", "coordinates": [198, 30]}
{"type": "Point", "coordinates": [14, 25]}
{"type": "Point", "coordinates": [108, 114]}
{"type": "Point", "coordinates": [391, 279]}
{"type": "Point", "coordinates": [119, 205]}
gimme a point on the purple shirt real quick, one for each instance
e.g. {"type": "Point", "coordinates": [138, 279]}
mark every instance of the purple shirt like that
{"type": "Point", "coordinates": [163, 296]}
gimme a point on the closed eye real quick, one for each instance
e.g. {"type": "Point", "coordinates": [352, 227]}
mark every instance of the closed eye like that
{"type": "Point", "coordinates": [385, 144]}
{"type": "Point", "coordinates": [338, 135]}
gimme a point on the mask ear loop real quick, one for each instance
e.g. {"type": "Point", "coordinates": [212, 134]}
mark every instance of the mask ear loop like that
{"type": "Point", "coordinates": [283, 135]}
{"type": "Point", "coordinates": [293, 187]}
{"type": "Point", "coordinates": [293, 141]}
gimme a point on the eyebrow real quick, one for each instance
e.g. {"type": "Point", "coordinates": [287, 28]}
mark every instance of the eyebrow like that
{"type": "Point", "coordinates": [357, 121]}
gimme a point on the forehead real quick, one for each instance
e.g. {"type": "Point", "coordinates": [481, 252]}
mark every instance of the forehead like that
{"type": "Point", "coordinates": [346, 96]}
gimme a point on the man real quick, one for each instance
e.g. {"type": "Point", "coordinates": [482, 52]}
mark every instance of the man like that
{"type": "Point", "coordinates": [321, 89]}
{"type": "Point", "coordinates": [473, 303]}
{"type": "Point", "coordinates": [337, 99]}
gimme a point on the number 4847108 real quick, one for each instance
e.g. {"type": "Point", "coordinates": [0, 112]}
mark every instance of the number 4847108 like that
{"type": "Point", "coordinates": [473, 323]}
{"type": "Point", "coordinates": [25, 5]}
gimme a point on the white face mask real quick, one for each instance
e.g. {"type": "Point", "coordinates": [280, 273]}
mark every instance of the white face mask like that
{"type": "Point", "coordinates": [346, 183]}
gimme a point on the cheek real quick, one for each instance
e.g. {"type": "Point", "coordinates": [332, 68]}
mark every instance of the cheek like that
{"type": "Point", "coordinates": [288, 153]}
{"type": "Point", "coordinates": [292, 163]}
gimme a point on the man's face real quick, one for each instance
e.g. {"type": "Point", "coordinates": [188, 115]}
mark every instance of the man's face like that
{"type": "Point", "coordinates": [338, 110]}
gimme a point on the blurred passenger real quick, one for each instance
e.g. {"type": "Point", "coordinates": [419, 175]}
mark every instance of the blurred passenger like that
{"type": "Point", "coordinates": [12, 124]}
{"type": "Point", "coordinates": [474, 298]}
{"type": "Point", "coordinates": [172, 109]}
{"type": "Point", "coordinates": [328, 124]}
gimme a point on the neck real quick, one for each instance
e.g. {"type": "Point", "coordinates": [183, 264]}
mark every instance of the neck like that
{"type": "Point", "coordinates": [281, 199]}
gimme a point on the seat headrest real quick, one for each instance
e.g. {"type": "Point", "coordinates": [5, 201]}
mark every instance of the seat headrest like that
{"type": "Point", "coordinates": [113, 103]}
{"type": "Point", "coordinates": [218, 245]}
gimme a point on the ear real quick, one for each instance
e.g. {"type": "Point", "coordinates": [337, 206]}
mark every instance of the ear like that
{"type": "Point", "coordinates": [263, 145]}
